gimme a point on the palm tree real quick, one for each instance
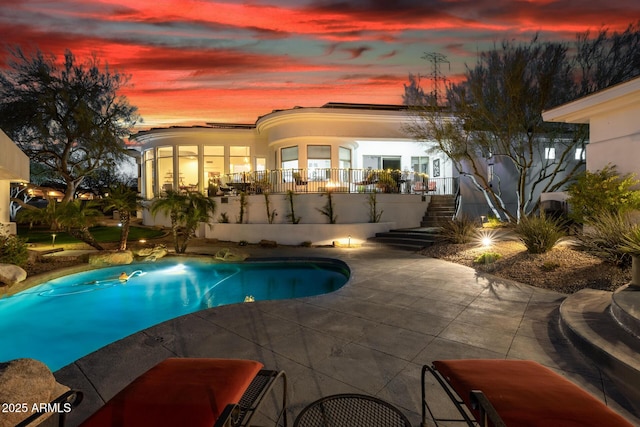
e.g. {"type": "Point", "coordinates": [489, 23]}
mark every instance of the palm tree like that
{"type": "Point", "coordinates": [125, 200]}
{"type": "Point", "coordinates": [185, 211]}
{"type": "Point", "coordinates": [77, 216]}
{"type": "Point", "coordinates": [49, 215]}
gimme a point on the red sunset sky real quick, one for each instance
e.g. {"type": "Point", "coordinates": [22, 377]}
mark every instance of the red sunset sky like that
{"type": "Point", "coordinates": [193, 62]}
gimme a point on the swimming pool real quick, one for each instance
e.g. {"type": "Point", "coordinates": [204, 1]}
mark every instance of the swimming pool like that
{"type": "Point", "coordinates": [67, 318]}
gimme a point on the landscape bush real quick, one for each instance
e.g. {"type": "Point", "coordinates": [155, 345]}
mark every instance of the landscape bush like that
{"type": "Point", "coordinates": [487, 258]}
{"type": "Point", "coordinates": [13, 250]}
{"type": "Point", "coordinates": [462, 229]}
{"type": "Point", "coordinates": [606, 237]}
{"type": "Point", "coordinates": [539, 233]}
{"type": "Point", "coordinates": [602, 192]}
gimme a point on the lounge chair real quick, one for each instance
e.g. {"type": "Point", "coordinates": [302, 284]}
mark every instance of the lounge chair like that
{"type": "Point", "coordinates": [515, 393]}
{"type": "Point", "coordinates": [194, 393]}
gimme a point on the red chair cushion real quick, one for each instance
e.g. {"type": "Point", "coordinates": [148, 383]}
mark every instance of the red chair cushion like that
{"type": "Point", "coordinates": [525, 393]}
{"type": "Point", "coordinates": [178, 392]}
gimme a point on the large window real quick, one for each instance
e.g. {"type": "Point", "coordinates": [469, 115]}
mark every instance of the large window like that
{"type": "Point", "coordinates": [165, 168]}
{"type": "Point", "coordinates": [289, 158]}
{"type": "Point", "coordinates": [239, 159]}
{"type": "Point", "coordinates": [213, 164]}
{"type": "Point", "coordinates": [381, 162]}
{"type": "Point", "coordinates": [344, 158]}
{"type": "Point", "coordinates": [188, 167]}
{"type": "Point", "coordinates": [420, 164]}
{"type": "Point", "coordinates": [149, 173]}
{"type": "Point", "coordinates": [318, 162]}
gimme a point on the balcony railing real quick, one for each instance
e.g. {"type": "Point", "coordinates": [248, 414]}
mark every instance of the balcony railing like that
{"type": "Point", "coordinates": [334, 180]}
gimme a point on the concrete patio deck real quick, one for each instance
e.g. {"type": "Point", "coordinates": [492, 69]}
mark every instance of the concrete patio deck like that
{"type": "Point", "coordinates": [399, 311]}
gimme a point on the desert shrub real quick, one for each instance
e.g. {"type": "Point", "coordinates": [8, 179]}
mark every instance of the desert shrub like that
{"type": "Point", "coordinates": [13, 250]}
{"type": "Point", "coordinates": [606, 238]}
{"type": "Point", "coordinates": [550, 265]}
{"type": "Point", "coordinates": [631, 241]}
{"type": "Point", "coordinates": [487, 258]}
{"type": "Point", "coordinates": [603, 191]}
{"type": "Point", "coordinates": [462, 229]}
{"type": "Point", "coordinates": [539, 233]}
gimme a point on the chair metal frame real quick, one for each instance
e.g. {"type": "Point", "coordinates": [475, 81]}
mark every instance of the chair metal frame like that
{"type": "Point", "coordinates": [488, 414]}
{"type": "Point", "coordinates": [240, 415]}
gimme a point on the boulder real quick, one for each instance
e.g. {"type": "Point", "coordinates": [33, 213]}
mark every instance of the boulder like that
{"type": "Point", "coordinates": [152, 254]}
{"type": "Point", "coordinates": [268, 244]}
{"type": "Point", "coordinates": [226, 254]}
{"type": "Point", "coordinates": [26, 381]}
{"type": "Point", "coordinates": [11, 274]}
{"type": "Point", "coordinates": [108, 258]}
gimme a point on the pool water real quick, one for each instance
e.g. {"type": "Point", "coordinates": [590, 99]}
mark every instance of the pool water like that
{"type": "Point", "coordinates": [65, 319]}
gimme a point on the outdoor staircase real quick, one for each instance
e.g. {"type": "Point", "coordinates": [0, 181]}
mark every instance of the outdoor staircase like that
{"type": "Point", "coordinates": [407, 238]}
{"type": "Point", "coordinates": [605, 327]}
{"type": "Point", "coordinates": [441, 208]}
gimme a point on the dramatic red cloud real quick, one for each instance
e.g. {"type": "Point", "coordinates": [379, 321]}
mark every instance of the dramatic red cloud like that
{"type": "Point", "coordinates": [198, 61]}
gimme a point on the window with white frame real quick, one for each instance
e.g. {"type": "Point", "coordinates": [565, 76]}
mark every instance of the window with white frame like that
{"type": "Point", "coordinates": [239, 159]}
{"type": "Point", "coordinates": [165, 168]}
{"type": "Point", "coordinates": [289, 157]}
{"type": "Point", "coordinates": [318, 162]}
{"type": "Point", "coordinates": [550, 153]}
{"type": "Point", "coordinates": [149, 173]}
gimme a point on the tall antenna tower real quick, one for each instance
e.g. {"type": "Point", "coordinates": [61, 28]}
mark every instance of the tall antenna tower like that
{"type": "Point", "coordinates": [437, 78]}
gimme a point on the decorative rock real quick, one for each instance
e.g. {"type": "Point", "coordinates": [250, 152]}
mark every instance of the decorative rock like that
{"type": "Point", "coordinates": [11, 274]}
{"type": "Point", "coordinates": [152, 254]}
{"type": "Point", "coordinates": [107, 258]}
{"type": "Point", "coordinates": [26, 381]}
{"type": "Point", "coordinates": [268, 244]}
{"type": "Point", "coordinates": [226, 254]}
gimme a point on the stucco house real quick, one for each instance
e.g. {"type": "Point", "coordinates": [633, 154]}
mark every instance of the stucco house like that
{"type": "Point", "coordinates": [14, 167]}
{"type": "Point", "coordinates": [351, 150]}
{"type": "Point", "coordinates": [613, 115]}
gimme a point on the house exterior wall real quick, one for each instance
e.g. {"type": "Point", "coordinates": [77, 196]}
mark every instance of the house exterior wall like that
{"type": "Point", "coordinates": [364, 132]}
{"type": "Point", "coordinates": [14, 167]}
{"type": "Point", "coordinates": [615, 139]}
{"type": "Point", "coordinates": [614, 128]}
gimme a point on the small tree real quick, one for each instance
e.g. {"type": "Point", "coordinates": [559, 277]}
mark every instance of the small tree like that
{"type": "Point", "coordinates": [494, 117]}
{"type": "Point", "coordinates": [77, 217]}
{"type": "Point", "coordinates": [186, 212]}
{"type": "Point", "coordinates": [66, 117]}
{"type": "Point", "coordinates": [125, 201]}
{"type": "Point", "coordinates": [602, 192]}
{"type": "Point", "coordinates": [271, 214]}
{"type": "Point", "coordinates": [51, 215]}
{"type": "Point", "coordinates": [328, 209]}
{"type": "Point", "coordinates": [243, 207]}
{"type": "Point", "coordinates": [293, 219]}
{"type": "Point", "coordinates": [374, 214]}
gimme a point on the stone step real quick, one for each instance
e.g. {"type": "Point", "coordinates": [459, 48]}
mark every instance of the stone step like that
{"type": "Point", "coordinates": [586, 320]}
{"type": "Point", "coordinates": [625, 308]}
{"type": "Point", "coordinates": [413, 239]}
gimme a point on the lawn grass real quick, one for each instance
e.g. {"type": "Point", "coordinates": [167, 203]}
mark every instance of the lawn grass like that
{"type": "Point", "coordinates": [102, 234]}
